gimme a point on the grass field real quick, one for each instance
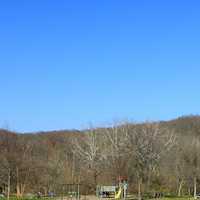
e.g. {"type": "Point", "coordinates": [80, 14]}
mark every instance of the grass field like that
{"type": "Point", "coordinates": [178, 198]}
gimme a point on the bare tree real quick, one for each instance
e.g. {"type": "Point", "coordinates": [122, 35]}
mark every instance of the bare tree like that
{"type": "Point", "coordinates": [89, 151]}
{"type": "Point", "coordinates": [116, 142]}
{"type": "Point", "coordinates": [192, 160]}
{"type": "Point", "coordinates": [149, 142]}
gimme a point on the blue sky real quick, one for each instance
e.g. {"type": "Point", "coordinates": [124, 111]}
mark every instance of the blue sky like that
{"type": "Point", "coordinates": [67, 64]}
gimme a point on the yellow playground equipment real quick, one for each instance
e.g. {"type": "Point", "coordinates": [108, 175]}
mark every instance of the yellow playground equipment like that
{"type": "Point", "coordinates": [118, 194]}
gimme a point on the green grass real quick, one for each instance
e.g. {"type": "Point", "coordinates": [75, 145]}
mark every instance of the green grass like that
{"type": "Point", "coordinates": [178, 198]}
{"type": "Point", "coordinates": [46, 198]}
{"type": "Point", "coordinates": [26, 198]}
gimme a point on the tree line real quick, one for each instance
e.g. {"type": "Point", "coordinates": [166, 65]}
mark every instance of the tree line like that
{"type": "Point", "coordinates": [153, 156]}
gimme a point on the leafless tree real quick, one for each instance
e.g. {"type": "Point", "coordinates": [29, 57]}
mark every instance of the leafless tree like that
{"type": "Point", "coordinates": [116, 142]}
{"type": "Point", "coordinates": [149, 142]}
{"type": "Point", "coordinates": [88, 150]}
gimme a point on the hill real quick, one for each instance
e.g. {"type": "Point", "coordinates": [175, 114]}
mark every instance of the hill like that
{"type": "Point", "coordinates": [145, 153]}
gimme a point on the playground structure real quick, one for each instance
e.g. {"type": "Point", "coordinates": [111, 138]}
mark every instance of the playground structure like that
{"type": "Point", "coordinates": [117, 192]}
{"type": "Point", "coordinates": [106, 191]}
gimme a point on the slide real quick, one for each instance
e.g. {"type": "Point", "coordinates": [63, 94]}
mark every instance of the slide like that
{"type": "Point", "coordinates": [118, 194]}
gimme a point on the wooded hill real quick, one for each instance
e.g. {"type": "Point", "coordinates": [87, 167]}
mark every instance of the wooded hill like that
{"type": "Point", "coordinates": [154, 156]}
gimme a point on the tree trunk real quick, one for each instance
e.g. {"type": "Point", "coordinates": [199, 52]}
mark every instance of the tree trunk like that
{"type": "Point", "coordinates": [45, 191]}
{"type": "Point", "coordinates": [95, 179]}
{"type": "Point", "coordinates": [189, 191]}
{"type": "Point", "coordinates": [180, 187]}
{"type": "Point", "coordinates": [18, 184]}
{"type": "Point", "coordinates": [73, 167]}
{"type": "Point", "coordinates": [23, 186]}
{"type": "Point", "coordinates": [148, 181]}
{"type": "Point", "coordinates": [20, 187]}
{"type": "Point", "coordinates": [195, 187]}
{"type": "Point", "coordinates": [8, 192]}
{"type": "Point", "coordinates": [139, 188]}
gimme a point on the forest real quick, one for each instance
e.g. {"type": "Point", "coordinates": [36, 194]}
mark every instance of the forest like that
{"type": "Point", "coordinates": [154, 156]}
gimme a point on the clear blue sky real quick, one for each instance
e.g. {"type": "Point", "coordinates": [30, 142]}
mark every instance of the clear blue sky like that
{"type": "Point", "coordinates": [65, 64]}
